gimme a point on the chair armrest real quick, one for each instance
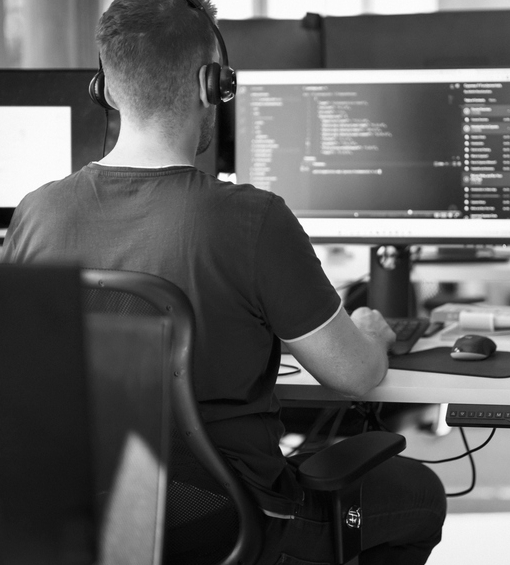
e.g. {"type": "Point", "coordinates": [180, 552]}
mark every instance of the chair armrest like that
{"type": "Point", "coordinates": [343, 463]}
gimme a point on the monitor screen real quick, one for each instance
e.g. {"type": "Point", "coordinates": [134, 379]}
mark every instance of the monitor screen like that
{"type": "Point", "coordinates": [381, 156]}
{"type": "Point", "coordinates": [49, 129]}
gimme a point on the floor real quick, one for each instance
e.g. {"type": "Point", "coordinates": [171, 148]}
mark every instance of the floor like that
{"type": "Point", "coordinates": [477, 528]}
{"type": "Point", "coordinates": [474, 539]}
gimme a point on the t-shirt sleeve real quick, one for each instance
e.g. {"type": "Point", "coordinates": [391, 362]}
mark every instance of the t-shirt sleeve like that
{"type": "Point", "coordinates": [294, 292]}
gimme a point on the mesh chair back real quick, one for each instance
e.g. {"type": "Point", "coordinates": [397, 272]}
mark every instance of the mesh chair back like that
{"type": "Point", "coordinates": [206, 522]}
{"type": "Point", "coordinates": [115, 302]}
{"type": "Point", "coordinates": [130, 408]}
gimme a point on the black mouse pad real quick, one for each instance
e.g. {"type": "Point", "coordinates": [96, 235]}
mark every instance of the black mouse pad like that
{"type": "Point", "coordinates": [438, 360]}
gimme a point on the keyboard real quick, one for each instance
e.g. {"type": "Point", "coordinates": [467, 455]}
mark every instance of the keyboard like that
{"type": "Point", "coordinates": [408, 331]}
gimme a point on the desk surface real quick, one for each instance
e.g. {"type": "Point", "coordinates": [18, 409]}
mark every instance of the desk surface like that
{"type": "Point", "coordinates": [399, 385]}
{"type": "Point", "coordinates": [406, 386]}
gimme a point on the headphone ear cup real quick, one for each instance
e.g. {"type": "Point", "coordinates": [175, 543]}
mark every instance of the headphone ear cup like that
{"type": "Point", "coordinates": [212, 81]}
{"type": "Point", "coordinates": [97, 90]}
{"type": "Point", "coordinates": [228, 83]}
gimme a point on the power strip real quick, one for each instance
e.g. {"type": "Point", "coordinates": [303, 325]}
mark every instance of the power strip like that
{"type": "Point", "coordinates": [478, 415]}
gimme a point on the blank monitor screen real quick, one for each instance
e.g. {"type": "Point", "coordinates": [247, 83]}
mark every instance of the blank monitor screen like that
{"type": "Point", "coordinates": [381, 156]}
{"type": "Point", "coordinates": [49, 128]}
{"type": "Point", "coordinates": [36, 148]}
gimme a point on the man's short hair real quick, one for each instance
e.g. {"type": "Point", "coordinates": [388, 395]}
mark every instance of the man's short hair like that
{"type": "Point", "coordinates": [151, 51]}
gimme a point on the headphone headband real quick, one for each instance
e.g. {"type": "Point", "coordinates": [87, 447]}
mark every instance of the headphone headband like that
{"type": "Point", "coordinates": [221, 80]}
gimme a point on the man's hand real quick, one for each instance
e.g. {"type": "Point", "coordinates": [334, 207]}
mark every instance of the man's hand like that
{"type": "Point", "coordinates": [372, 323]}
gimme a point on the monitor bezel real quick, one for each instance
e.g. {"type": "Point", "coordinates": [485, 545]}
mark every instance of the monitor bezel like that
{"type": "Point", "coordinates": [49, 87]}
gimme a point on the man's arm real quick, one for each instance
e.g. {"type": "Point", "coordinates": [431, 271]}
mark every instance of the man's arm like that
{"type": "Point", "coordinates": [348, 354]}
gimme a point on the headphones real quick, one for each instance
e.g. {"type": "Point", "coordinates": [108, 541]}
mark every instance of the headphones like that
{"type": "Point", "coordinates": [221, 80]}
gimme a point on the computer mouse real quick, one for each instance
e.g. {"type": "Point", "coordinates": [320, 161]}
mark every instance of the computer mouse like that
{"type": "Point", "coordinates": [473, 347]}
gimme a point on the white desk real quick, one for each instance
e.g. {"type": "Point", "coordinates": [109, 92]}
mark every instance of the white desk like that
{"type": "Point", "coordinates": [405, 386]}
{"type": "Point", "coordinates": [408, 386]}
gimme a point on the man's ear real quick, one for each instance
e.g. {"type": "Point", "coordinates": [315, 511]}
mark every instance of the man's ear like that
{"type": "Point", "coordinates": [202, 78]}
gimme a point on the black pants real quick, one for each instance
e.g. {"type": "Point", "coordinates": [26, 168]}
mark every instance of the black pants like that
{"type": "Point", "coordinates": [404, 507]}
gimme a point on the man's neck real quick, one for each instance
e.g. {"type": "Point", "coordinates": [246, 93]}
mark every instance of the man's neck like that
{"type": "Point", "coordinates": [147, 147]}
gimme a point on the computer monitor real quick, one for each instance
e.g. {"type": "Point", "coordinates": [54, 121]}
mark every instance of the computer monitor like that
{"type": "Point", "coordinates": [50, 128]}
{"type": "Point", "coordinates": [382, 157]}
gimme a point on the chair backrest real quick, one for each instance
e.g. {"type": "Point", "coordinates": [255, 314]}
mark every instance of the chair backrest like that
{"type": "Point", "coordinates": [209, 517]}
{"type": "Point", "coordinates": [130, 407]}
{"type": "Point", "coordinates": [46, 482]}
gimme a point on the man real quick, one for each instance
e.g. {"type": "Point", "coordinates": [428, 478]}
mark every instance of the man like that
{"type": "Point", "coordinates": [248, 268]}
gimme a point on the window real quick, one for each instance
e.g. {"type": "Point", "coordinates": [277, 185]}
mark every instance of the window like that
{"type": "Point", "coordinates": [239, 9]}
{"type": "Point", "coordinates": [60, 33]}
{"type": "Point", "coordinates": [236, 9]}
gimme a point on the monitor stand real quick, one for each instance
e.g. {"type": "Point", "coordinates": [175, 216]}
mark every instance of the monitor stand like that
{"type": "Point", "coordinates": [389, 289]}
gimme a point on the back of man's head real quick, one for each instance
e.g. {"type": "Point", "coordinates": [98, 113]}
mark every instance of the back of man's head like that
{"type": "Point", "coordinates": [151, 51]}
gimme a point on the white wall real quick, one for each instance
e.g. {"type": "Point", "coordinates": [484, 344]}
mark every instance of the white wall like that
{"type": "Point", "coordinates": [239, 9]}
{"type": "Point", "coordinates": [474, 5]}
{"type": "Point", "coordinates": [289, 9]}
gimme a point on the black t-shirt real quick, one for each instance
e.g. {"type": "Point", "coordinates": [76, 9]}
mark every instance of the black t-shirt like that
{"type": "Point", "coordinates": [237, 252]}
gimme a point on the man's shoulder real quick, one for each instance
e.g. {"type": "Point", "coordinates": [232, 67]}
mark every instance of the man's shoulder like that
{"type": "Point", "coordinates": [244, 194]}
{"type": "Point", "coordinates": [53, 188]}
{"type": "Point", "coordinates": [54, 196]}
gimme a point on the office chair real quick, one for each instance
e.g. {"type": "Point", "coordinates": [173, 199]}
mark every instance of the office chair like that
{"type": "Point", "coordinates": [130, 410]}
{"type": "Point", "coordinates": [46, 466]}
{"type": "Point", "coordinates": [199, 483]}
{"type": "Point", "coordinates": [210, 517]}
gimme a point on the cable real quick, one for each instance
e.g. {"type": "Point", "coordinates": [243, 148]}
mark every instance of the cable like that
{"type": "Point", "coordinates": [469, 453]}
{"type": "Point", "coordinates": [105, 131]}
{"type": "Point", "coordinates": [457, 457]}
{"type": "Point", "coordinates": [472, 463]}
{"type": "Point", "coordinates": [383, 426]}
